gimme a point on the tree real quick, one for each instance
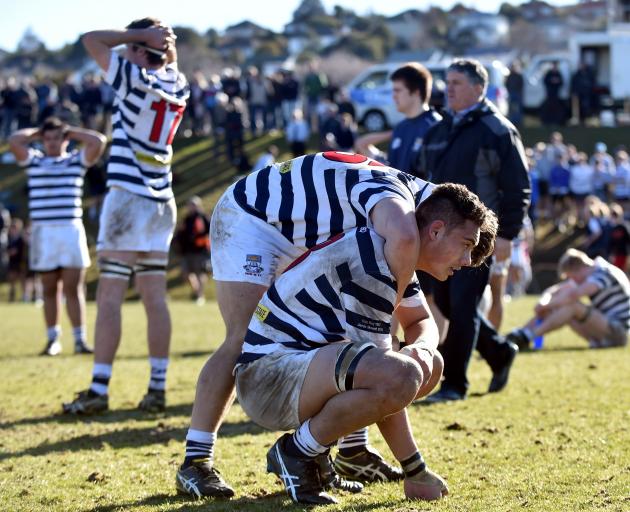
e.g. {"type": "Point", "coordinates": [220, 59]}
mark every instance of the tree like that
{"type": "Point", "coordinates": [511, 12]}
{"type": "Point", "coordinates": [308, 9]}
{"type": "Point", "coordinates": [30, 42]}
{"type": "Point", "coordinates": [212, 38]}
{"type": "Point", "coordinates": [189, 37]}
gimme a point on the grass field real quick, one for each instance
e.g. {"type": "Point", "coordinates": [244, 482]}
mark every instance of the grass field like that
{"type": "Point", "coordinates": [557, 439]}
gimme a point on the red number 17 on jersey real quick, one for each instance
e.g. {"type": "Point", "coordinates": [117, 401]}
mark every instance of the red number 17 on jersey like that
{"type": "Point", "coordinates": [160, 108]}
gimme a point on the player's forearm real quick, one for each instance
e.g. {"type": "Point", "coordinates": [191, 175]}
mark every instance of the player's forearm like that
{"type": "Point", "coordinates": [85, 136]}
{"type": "Point", "coordinates": [93, 141]}
{"type": "Point", "coordinates": [20, 140]}
{"type": "Point", "coordinates": [424, 332]}
{"type": "Point", "coordinates": [112, 38]}
{"type": "Point", "coordinates": [24, 136]}
{"type": "Point", "coordinates": [396, 431]}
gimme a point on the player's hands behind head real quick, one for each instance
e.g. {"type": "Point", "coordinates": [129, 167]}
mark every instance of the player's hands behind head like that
{"type": "Point", "coordinates": [160, 37]}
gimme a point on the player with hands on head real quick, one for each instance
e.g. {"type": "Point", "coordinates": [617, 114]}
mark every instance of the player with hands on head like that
{"type": "Point", "coordinates": [59, 250]}
{"type": "Point", "coordinates": [139, 212]}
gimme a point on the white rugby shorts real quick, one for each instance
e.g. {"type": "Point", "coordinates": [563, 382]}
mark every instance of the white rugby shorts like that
{"type": "Point", "coordinates": [269, 388]}
{"type": "Point", "coordinates": [130, 222]}
{"type": "Point", "coordinates": [55, 246]}
{"type": "Point", "coordinates": [245, 248]}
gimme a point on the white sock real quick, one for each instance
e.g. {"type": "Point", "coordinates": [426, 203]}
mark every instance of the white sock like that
{"type": "Point", "coordinates": [159, 365]}
{"type": "Point", "coordinates": [306, 443]}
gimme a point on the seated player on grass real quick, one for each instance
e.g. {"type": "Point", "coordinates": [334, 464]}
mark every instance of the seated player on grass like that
{"type": "Point", "coordinates": [318, 356]}
{"type": "Point", "coordinates": [603, 322]}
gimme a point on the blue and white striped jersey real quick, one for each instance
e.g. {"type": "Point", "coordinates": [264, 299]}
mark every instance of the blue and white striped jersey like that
{"type": "Point", "coordinates": [311, 198]}
{"type": "Point", "coordinates": [148, 107]}
{"type": "Point", "coordinates": [341, 290]}
{"type": "Point", "coordinates": [55, 187]}
{"type": "Point", "coordinates": [613, 296]}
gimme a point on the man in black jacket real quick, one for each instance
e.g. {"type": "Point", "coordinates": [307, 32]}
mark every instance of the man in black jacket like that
{"type": "Point", "coordinates": [476, 146]}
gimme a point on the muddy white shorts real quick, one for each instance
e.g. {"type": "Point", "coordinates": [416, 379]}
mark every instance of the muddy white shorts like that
{"type": "Point", "coordinates": [55, 246]}
{"type": "Point", "coordinates": [246, 248]}
{"type": "Point", "coordinates": [268, 389]}
{"type": "Point", "coordinates": [130, 222]}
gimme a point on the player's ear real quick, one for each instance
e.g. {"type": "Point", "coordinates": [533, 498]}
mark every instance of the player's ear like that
{"type": "Point", "coordinates": [437, 228]}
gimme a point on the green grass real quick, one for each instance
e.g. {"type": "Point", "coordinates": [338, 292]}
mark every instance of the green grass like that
{"type": "Point", "coordinates": [557, 439]}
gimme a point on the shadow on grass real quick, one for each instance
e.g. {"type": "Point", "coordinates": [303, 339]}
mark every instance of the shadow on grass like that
{"type": "Point", "coordinates": [114, 416]}
{"type": "Point", "coordinates": [264, 502]}
{"type": "Point", "coordinates": [128, 357]}
{"type": "Point", "coordinates": [125, 437]}
{"type": "Point", "coordinates": [530, 352]}
{"type": "Point", "coordinates": [186, 503]}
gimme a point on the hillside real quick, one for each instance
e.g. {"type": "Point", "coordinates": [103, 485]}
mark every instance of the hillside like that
{"type": "Point", "coordinates": [199, 168]}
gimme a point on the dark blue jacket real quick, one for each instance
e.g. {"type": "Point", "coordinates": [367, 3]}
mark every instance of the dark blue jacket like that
{"type": "Point", "coordinates": [484, 152]}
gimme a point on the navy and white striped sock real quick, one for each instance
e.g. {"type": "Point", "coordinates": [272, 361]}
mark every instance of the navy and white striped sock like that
{"type": "Point", "coordinates": [159, 365]}
{"type": "Point", "coordinates": [303, 444]}
{"type": "Point", "coordinates": [101, 373]}
{"type": "Point", "coordinates": [199, 446]}
{"type": "Point", "coordinates": [353, 443]}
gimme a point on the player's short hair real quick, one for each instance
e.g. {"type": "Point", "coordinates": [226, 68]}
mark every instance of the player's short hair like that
{"type": "Point", "coordinates": [473, 69]}
{"type": "Point", "coordinates": [153, 59]}
{"type": "Point", "coordinates": [416, 78]}
{"type": "Point", "coordinates": [572, 259]}
{"type": "Point", "coordinates": [53, 123]}
{"type": "Point", "coordinates": [455, 204]}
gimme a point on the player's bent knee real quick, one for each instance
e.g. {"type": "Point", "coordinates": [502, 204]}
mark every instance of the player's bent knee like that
{"type": "Point", "coordinates": [400, 388]}
{"type": "Point", "coordinates": [438, 365]}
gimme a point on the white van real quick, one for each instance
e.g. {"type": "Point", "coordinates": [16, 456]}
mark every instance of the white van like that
{"type": "Point", "coordinates": [371, 92]}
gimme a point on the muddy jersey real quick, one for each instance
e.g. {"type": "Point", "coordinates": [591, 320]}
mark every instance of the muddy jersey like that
{"type": "Point", "coordinates": [311, 198]}
{"type": "Point", "coordinates": [148, 108]}
{"type": "Point", "coordinates": [341, 290]}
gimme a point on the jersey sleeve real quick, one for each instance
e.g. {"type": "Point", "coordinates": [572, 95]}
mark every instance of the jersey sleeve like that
{"type": "Point", "coordinates": [32, 153]}
{"type": "Point", "coordinates": [601, 279]}
{"type": "Point", "coordinates": [413, 295]}
{"type": "Point", "coordinates": [366, 194]}
{"type": "Point", "coordinates": [124, 76]}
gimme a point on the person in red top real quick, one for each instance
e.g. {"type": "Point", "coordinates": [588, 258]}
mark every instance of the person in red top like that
{"type": "Point", "coordinates": [194, 243]}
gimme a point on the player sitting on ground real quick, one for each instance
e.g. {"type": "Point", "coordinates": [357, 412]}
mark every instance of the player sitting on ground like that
{"type": "Point", "coordinates": [318, 355]}
{"type": "Point", "coordinates": [604, 322]}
